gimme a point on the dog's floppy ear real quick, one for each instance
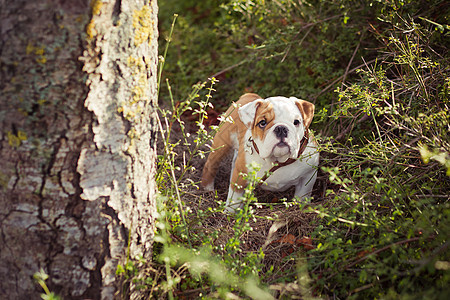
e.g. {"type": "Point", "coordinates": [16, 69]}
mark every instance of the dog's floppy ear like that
{"type": "Point", "coordinates": [247, 112]}
{"type": "Point", "coordinates": [307, 110]}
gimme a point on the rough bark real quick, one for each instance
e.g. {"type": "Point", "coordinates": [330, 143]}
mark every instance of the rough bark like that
{"type": "Point", "coordinates": [78, 91]}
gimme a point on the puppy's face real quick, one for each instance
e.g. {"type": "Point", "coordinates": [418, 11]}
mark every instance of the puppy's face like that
{"type": "Point", "coordinates": [277, 125]}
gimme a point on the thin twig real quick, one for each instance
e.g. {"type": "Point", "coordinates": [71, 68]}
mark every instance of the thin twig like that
{"type": "Point", "coordinates": [301, 41]}
{"type": "Point", "coordinates": [188, 292]}
{"type": "Point", "coordinates": [351, 59]}
{"type": "Point", "coordinates": [229, 68]}
{"type": "Point", "coordinates": [414, 239]}
{"type": "Point", "coordinates": [340, 78]}
{"type": "Point", "coordinates": [349, 127]}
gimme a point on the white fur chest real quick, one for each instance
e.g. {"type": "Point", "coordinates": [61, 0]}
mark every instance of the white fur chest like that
{"type": "Point", "coordinates": [286, 176]}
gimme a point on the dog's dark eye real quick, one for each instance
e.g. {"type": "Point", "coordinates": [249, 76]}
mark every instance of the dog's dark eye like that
{"type": "Point", "coordinates": [262, 124]}
{"type": "Point", "coordinates": [296, 122]}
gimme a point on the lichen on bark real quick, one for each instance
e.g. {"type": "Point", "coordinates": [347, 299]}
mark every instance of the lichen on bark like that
{"type": "Point", "coordinates": [76, 181]}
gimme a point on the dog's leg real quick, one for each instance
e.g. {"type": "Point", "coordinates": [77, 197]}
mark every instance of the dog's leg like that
{"type": "Point", "coordinates": [212, 165]}
{"type": "Point", "coordinates": [237, 184]}
{"type": "Point", "coordinates": [234, 201]}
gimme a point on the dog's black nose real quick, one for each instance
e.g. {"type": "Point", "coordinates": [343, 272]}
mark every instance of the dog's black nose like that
{"type": "Point", "coordinates": [281, 131]}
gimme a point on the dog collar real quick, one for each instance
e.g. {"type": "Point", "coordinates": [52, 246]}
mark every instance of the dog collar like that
{"type": "Point", "coordinates": [303, 144]}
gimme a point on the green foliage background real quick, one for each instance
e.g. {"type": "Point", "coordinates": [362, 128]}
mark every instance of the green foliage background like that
{"type": "Point", "coordinates": [378, 73]}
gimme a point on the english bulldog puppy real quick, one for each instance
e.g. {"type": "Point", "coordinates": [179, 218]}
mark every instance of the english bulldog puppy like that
{"type": "Point", "coordinates": [272, 132]}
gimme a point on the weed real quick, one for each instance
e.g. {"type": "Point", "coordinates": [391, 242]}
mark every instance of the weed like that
{"type": "Point", "coordinates": [40, 277]}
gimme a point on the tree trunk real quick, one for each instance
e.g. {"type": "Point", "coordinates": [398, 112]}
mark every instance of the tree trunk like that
{"type": "Point", "coordinates": [78, 91]}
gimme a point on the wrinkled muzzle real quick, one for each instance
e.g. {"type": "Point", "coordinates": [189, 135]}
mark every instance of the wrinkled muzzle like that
{"type": "Point", "coordinates": [281, 143]}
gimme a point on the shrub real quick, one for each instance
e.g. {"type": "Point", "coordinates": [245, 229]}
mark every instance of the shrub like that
{"type": "Point", "coordinates": [386, 221]}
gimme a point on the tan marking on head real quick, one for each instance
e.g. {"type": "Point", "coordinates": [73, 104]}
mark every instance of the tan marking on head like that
{"type": "Point", "coordinates": [307, 110]}
{"type": "Point", "coordinates": [263, 112]}
{"type": "Point", "coordinates": [240, 126]}
{"type": "Point", "coordinates": [247, 98]}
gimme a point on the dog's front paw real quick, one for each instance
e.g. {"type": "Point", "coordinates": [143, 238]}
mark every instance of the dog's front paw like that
{"type": "Point", "coordinates": [233, 208]}
{"type": "Point", "coordinates": [209, 187]}
{"type": "Point", "coordinates": [234, 201]}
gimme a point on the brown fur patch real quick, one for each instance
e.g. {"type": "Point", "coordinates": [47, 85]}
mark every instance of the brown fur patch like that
{"type": "Point", "coordinates": [224, 144]}
{"type": "Point", "coordinates": [240, 165]}
{"type": "Point", "coordinates": [307, 110]}
{"type": "Point", "coordinates": [263, 112]}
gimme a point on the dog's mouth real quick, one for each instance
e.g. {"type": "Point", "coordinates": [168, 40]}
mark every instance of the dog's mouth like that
{"type": "Point", "coordinates": [282, 144]}
{"type": "Point", "coordinates": [281, 149]}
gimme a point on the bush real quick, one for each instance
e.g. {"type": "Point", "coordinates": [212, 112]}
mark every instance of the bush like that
{"type": "Point", "coordinates": [394, 202]}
